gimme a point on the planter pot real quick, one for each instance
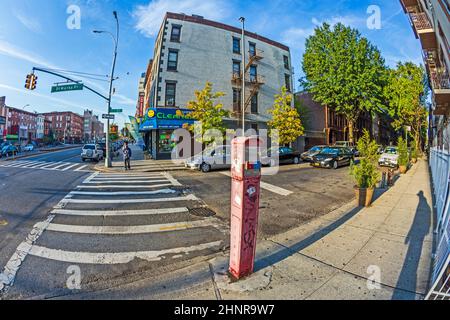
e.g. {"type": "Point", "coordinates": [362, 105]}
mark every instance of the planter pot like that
{"type": "Point", "coordinates": [414, 160]}
{"type": "Point", "coordinates": [364, 196]}
{"type": "Point", "coordinates": [403, 169]}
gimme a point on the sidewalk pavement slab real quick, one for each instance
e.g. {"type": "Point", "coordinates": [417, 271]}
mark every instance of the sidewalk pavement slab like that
{"type": "Point", "coordinates": [339, 256]}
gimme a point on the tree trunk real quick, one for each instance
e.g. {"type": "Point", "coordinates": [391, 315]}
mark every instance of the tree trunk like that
{"type": "Point", "coordinates": [350, 130]}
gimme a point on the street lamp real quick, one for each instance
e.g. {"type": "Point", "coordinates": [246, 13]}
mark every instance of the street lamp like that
{"type": "Point", "coordinates": [116, 41]}
{"type": "Point", "coordinates": [242, 19]}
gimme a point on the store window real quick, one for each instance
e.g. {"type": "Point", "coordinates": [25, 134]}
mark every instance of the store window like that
{"type": "Point", "coordinates": [166, 141]}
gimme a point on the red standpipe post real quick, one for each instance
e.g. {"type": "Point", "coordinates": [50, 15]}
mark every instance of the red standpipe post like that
{"type": "Point", "coordinates": [245, 194]}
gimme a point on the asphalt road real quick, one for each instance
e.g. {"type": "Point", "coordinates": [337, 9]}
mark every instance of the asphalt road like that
{"type": "Point", "coordinates": [112, 228]}
{"type": "Point", "coordinates": [313, 192]}
{"type": "Point", "coordinates": [108, 230]}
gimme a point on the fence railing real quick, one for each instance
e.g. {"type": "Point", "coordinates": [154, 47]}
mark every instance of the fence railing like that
{"type": "Point", "coordinates": [440, 171]}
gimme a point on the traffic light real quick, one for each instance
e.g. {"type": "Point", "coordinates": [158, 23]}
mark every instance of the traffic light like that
{"type": "Point", "coordinates": [33, 82]}
{"type": "Point", "coordinates": [30, 82]}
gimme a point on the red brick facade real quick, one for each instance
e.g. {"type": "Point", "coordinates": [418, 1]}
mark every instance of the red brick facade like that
{"type": "Point", "coordinates": [66, 125]}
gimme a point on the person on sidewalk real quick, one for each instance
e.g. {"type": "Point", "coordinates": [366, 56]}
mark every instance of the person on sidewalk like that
{"type": "Point", "coordinates": [126, 155]}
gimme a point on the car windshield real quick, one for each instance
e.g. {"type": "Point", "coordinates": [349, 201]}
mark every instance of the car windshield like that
{"type": "Point", "coordinates": [330, 151]}
{"type": "Point", "coordinates": [390, 151]}
{"type": "Point", "coordinates": [89, 147]}
{"type": "Point", "coordinates": [314, 149]}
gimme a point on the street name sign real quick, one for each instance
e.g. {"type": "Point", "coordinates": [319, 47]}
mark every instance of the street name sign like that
{"type": "Point", "coordinates": [116, 110]}
{"type": "Point", "coordinates": [108, 116]}
{"type": "Point", "coordinates": [67, 87]}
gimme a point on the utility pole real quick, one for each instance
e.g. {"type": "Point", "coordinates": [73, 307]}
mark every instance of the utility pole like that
{"type": "Point", "coordinates": [116, 41]}
{"type": "Point", "coordinates": [242, 19]}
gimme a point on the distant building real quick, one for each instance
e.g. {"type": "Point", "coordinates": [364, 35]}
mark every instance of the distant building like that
{"type": "Point", "coordinates": [190, 51]}
{"type": "Point", "coordinates": [21, 125]}
{"type": "Point", "coordinates": [140, 106]}
{"type": "Point", "coordinates": [66, 126]}
{"type": "Point", "coordinates": [93, 128]}
{"type": "Point", "coordinates": [3, 119]}
{"type": "Point", "coordinates": [40, 124]}
{"type": "Point", "coordinates": [323, 126]}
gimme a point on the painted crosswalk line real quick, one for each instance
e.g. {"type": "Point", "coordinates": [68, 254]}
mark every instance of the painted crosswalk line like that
{"type": "Point", "coordinates": [127, 206]}
{"type": "Point", "coordinates": [112, 213]}
{"type": "Point", "coordinates": [45, 165]}
{"type": "Point", "coordinates": [117, 257]}
{"type": "Point", "coordinates": [123, 201]}
{"type": "Point", "coordinates": [152, 228]}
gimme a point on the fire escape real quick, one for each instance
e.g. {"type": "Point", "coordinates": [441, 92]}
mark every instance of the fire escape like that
{"type": "Point", "coordinates": [253, 81]}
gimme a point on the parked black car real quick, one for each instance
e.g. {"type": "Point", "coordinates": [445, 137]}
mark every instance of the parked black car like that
{"type": "Point", "coordinates": [285, 155]}
{"type": "Point", "coordinates": [308, 155]}
{"type": "Point", "coordinates": [333, 157]}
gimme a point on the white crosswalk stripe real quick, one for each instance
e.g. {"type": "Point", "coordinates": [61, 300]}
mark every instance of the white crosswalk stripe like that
{"type": "Point", "coordinates": [45, 165]}
{"type": "Point", "coordinates": [115, 205]}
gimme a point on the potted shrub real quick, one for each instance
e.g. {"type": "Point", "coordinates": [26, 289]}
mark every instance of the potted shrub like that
{"type": "Point", "coordinates": [366, 173]}
{"type": "Point", "coordinates": [403, 156]}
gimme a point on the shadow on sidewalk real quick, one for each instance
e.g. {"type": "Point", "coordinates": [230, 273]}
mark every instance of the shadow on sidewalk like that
{"type": "Point", "coordinates": [282, 254]}
{"type": "Point", "coordinates": [420, 228]}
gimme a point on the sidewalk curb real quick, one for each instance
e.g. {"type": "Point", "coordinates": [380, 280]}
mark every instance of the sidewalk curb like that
{"type": "Point", "coordinates": [39, 153]}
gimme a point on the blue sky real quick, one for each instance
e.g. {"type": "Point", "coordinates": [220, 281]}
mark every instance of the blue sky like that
{"type": "Point", "coordinates": [34, 33]}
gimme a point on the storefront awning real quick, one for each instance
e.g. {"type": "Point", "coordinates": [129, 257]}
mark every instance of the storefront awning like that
{"type": "Point", "coordinates": [165, 118]}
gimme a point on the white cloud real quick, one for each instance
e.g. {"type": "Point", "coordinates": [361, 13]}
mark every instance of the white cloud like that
{"type": "Point", "coordinates": [10, 50]}
{"type": "Point", "coordinates": [349, 20]}
{"type": "Point", "coordinates": [29, 22]}
{"type": "Point", "coordinates": [149, 17]}
{"type": "Point", "coordinates": [295, 37]}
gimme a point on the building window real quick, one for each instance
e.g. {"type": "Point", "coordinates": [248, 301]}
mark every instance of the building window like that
{"type": "Point", "coordinates": [252, 49]}
{"type": "Point", "coordinates": [253, 73]}
{"type": "Point", "coordinates": [236, 68]}
{"type": "Point", "coordinates": [170, 94]}
{"type": "Point", "coordinates": [236, 45]}
{"type": "Point", "coordinates": [236, 100]}
{"type": "Point", "coordinates": [287, 81]}
{"type": "Point", "coordinates": [254, 103]}
{"type": "Point", "coordinates": [286, 62]}
{"type": "Point", "coordinates": [176, 33]}
{"type": "Point", "coordinates": [172, 63]}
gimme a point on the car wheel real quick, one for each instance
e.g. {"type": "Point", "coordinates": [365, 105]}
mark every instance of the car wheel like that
{"type": "Point", "coordinates": [335, 165]}
{"type": "Point", "coordinates": [296, 160]}
{"type": "Point", "coordinates": [205, 167]}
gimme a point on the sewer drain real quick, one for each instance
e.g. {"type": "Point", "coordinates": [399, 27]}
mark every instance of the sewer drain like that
{"type": "Point", "coordinates": [202, 212]}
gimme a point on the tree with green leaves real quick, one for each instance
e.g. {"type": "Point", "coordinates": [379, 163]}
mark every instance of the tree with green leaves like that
{"type": "Point", "coordinates": [344, 71]}
{"type": "Point", "coordinates": [406, 93]}
{"type": "Point", "coordinates": [206, 110]}
{"type": "Point", "coordinates": [285, 118]}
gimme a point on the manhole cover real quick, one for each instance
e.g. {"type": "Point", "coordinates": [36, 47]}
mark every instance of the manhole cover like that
{"type": "Point", "coordinates": [202, 212]}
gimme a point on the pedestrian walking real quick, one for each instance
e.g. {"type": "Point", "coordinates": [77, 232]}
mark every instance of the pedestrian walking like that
{"type": "Point", "coordinates": [126, 155]}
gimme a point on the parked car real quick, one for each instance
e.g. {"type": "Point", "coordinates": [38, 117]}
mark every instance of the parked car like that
{"type": "Point", "coordinates": [215, 158]}
{"type": "Point", "coordinates": [348, 144]}
{"type": "Point", "coordinates": [9, 150]}
{"type": "Point", "coordinates": [91, 152]}
{"type": "Point", "coordinates": [285, 155]}
{"type": "Point", "coordinates": [308, 155]}
{"type": "Point", "coordinates": [389, 158]}
{"type": "Point", "coordinates": [333, 157]}
{"type": "Point", "coordinates": [28, 147]}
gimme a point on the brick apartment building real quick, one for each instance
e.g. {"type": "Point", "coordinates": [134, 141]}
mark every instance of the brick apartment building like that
{"type": "Point", "coordinates": [324, 126]}
{"type": "Point", "coordinates": [66, 126]}
{"type": "Point", "coordinates": [22, 125]}
{"type": "Point", "coordinates": [3, 117]}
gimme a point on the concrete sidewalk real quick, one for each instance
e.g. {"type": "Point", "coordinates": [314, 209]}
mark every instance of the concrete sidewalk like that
{"type": "Point", "coordinates": [332, 257]}
{"type": "Point", "coordinates": [138, 164]}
